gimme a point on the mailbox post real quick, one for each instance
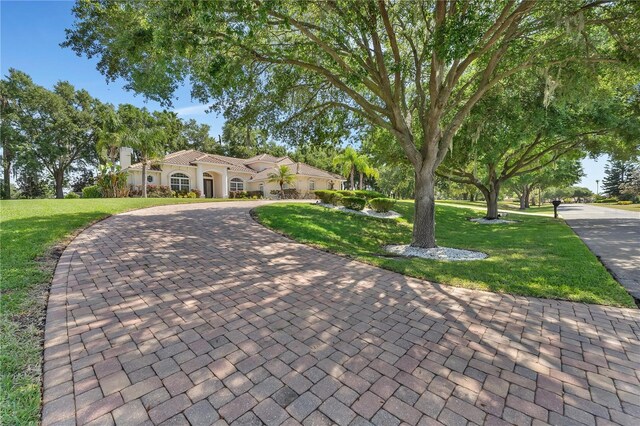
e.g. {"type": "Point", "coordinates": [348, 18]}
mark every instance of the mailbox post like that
{"type": "Point", "coordinates": [555, 203]}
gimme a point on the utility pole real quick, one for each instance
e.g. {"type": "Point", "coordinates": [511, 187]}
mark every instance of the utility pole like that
{"type": "Point", "coordinates": [597, 186]}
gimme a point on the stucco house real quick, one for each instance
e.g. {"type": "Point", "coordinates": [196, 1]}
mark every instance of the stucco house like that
{"type": "Point", "coordinates": [216, 175]}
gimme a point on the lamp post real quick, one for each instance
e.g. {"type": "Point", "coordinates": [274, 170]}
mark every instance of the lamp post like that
{"type": "Point", "coordinates": [597, 186]}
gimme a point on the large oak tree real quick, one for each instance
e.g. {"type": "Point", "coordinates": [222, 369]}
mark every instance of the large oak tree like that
{"type": "Point", "coordinates": [415, 68]}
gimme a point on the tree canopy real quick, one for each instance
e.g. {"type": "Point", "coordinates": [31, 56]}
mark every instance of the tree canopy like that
{"type": "Point", "coordinates": [413, 68]}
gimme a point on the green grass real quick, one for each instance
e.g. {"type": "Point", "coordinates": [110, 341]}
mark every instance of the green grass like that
{"type": "Point", "coordinates": [503, 205]}
{"type": "Point", "coordinates": [29, 230]}
{"type": "Point", "coordinates": [629, 207]}
{"type": "Point", "coordinates": [538, 256]}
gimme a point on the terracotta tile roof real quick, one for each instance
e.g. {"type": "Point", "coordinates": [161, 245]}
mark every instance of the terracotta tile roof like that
{"type": "Point", "coordinates": [192, 157]}
{"type": "Point", "coordinates": [262, 157]}
{"type": "Point", "coordinates": [300, 169]}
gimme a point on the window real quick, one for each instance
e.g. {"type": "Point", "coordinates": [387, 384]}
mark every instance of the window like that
{"type": "Point", "coordinates": [150, 179]}
{"type": "Point", "coordinates": [236, 184]}
{"type": "Point", "coordinates": [180, 182]}
{"type": "Point", "coordinates": [261, 188]}
{"type": "Point", "coordinates": [312, 185]}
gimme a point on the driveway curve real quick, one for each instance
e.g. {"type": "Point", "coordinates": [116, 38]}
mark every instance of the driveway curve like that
{"type": "Point", "coordinates": [195, 314]}
{"type": "Point", "coordinates": [613, 235]}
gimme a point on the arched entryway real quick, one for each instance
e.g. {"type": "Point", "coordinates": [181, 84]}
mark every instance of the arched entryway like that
{"type": "Point", "coordinates": [212, 184]}
{"type": "Point", "coordinates": [208, 185]}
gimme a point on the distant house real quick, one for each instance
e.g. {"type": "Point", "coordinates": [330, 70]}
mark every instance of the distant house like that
{"type": "Point", "coordinates": [216, 175]}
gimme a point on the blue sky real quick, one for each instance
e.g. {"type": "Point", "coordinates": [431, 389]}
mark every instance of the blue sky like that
{"type": "Point", "coordinates": [30, 37]}
{"type": "Point", "coordinates": [31, 33]}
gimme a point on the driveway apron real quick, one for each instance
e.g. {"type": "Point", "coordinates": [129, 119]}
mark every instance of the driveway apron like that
{"type": "Point", "coordinates": [195, 314]}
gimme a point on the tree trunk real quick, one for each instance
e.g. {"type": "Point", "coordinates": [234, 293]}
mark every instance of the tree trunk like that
{"type": "Point", "coordinates": [6, 171]}
{"type": "Point", "coordinates": [424, 224]}
{"type": "Point", "coordinates": [361, 182]}
{"type": "Point", "coordinates": [492, 201]}
{"type": "Point", "coordinates": [281, 190]}
{"type": "Point", "coordinates": [59, 181]}
{"type": "Point", "coordinates": [144, 178]}
{"type": "Point", "coordinates": [524, 197]}
{"type": "Point", "coordinates": [353, 172]}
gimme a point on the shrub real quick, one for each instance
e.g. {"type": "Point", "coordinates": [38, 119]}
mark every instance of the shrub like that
{"type": "Point", "coordinates": [159, 191]}
{"type": "Point", "coordinates": [91, 192]}
{"type": "Point", "coordinates": [238, 194]}
{"type": "Point", "coordinates": [354, 203]}
{"type": "Point", "coordinates": [289, 193]}
{"type": "Point", "coordinates": [363, 193]}
{"type": "Point", "coordinates": [324, 195]}
{"type": "Point", "coordinates": [112, 181]}
{"type": "Point", "coordinates": [346, 193]}
{"type": "Point", "coordinates": [607, 200]}
{"type": "Point", "coordinates": [382, 205]}
{"type": "Point", "coordinates": [71, 195]}
{"type": "Point", "coordinates": [255, 194]}
{"type": "Point", "coordinates": [622, 203]}
{"type": "Point", "coordinates": [193, 193]}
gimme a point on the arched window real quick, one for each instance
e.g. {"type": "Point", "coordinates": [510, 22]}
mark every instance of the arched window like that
{"type": "Point", "coordinates": [312, 185]}
{"type": "Point", "coordinates": [180, 182]}
{"type": "Point", "coordinates": [236, 184]}
{"type": "Point", "coordinates": [261, 188]}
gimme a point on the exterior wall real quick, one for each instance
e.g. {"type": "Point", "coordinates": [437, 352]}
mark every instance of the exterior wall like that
{"type": "Point", "coordinates": [218, 173]}
{"type": "Point", "coordinates": [162, 177]}
{"type": "Point", "coordinates": [301, 184]}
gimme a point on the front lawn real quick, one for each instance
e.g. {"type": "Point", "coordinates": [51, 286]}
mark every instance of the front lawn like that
{"type": "Point", "coordinates": [538, 256]}
{"type": "Point", "coordinates": [29, 232]}
{"type": "Point", "coordinates": [502, 205]}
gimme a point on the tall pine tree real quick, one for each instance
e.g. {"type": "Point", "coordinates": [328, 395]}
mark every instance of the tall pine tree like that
{"type": "Point", "coordinates": [616, 172]}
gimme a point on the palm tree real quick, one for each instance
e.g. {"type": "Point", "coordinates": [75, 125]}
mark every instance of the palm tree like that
{"type": "Point", "coordinates": [149, 142]}
{"type": "Point", "coordinates": [366, 170]}
{"type": "Point", "coordinates": [350, 162]}
{"type": "Point", "coordinates": [282, 176]}
{"type": "Point", "coordinates": [347, 162]}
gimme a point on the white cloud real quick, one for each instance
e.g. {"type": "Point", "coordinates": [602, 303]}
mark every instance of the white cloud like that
{"type": "Point", "coordinates": [193, 110]}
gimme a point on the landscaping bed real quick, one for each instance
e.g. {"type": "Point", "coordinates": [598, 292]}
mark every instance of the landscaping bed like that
{"type": "Point", "coordinates": [538, 256]}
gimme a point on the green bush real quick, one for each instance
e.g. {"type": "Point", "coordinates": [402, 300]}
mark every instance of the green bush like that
{"type": "Point", "coordinates": [625, 202]}
{"type": "Point", "coordinates": [346, 193]}
{"type": "Point", "coordinates": [91, 192]}
{"type": "Point", "coordinates": [324, 195]}
{"type": "Point", "coordinates": [354, 203]}
{"type": "Point", "coordinates": [363, 193]}
{"type": "Point", "coordinates": [71, 195]}
{"type": "Point", "coordinates": [607, 200]}
{"type": "Point", "coordinates": [382, 205]}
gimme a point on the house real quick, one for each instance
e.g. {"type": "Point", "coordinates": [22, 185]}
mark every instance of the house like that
{"type": "Point", "coordinates": [215, 176]}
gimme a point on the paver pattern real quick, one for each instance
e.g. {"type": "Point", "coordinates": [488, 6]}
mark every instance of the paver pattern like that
{"type": "Point", "coordinates": [198, 315]}
{"type": "Point", "coordinates": [613, 235]}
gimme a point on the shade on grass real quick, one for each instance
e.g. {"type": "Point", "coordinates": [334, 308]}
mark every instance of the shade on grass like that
{"type": "Point", "coordinates": [538, 256]}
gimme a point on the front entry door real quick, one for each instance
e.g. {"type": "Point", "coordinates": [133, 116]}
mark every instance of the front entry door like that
{"type": "Point", "coordinates": [208, 188]}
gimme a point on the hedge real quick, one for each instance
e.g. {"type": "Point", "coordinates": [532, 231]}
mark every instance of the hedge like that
{"type": "Point", "coordinates": [91, 191]}
{"type": "Point", "coordinates": [382, 205]}
{"type": "Point", "coordinates": [363, 193]}
{"type": "Point", "coordinates": [354, 203]}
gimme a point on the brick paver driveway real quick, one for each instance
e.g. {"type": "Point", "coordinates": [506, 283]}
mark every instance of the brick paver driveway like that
{"type": "Point", "coordinates": [195, 314]}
